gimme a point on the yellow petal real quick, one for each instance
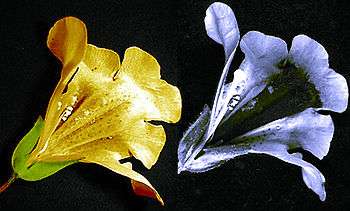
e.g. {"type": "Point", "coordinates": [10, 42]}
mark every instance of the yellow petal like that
{"type": "Point", "coordinates": [67, 40]}
{"type": "Point", "coordinates": [103, 116]}
{"type": "Point", "coordinates": [104, 120]}
{"type": "Point", "coordinates": [102, 60]}
{"type": "Point", "coordinates": [145, 71]}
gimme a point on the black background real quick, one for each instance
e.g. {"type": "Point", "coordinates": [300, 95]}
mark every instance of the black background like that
{"type": "Point", "coordinates": [173, 32]}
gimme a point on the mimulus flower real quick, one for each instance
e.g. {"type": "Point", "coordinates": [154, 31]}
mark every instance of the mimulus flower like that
{"type": "Point", "coordinates": [290, 88]}
{"type": "Point", "coordinates": [100, 111]}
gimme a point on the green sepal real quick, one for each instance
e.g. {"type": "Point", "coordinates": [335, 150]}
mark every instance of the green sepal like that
{"type": "Point", "coordinates": [38, 170]}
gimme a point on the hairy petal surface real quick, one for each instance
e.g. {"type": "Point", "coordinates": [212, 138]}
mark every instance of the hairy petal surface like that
{"type": "Point", "coordinates": [192, 141]}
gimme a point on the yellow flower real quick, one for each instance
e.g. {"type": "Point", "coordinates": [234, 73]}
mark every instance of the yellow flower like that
{"type": "Point", "coordinates": [100, 111]}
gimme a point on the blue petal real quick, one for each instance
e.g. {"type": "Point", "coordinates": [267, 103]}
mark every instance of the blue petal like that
{"type": "Point", "coordinates": [262, 55]}
{"type": "Point", "coordinates": [308, 130]}
{"type": "Point", "coordinates": [312, 177]}
{"type": "Point", "coordinates": [215, 157]}
{"type": "Point", "coordinates": [193, 140]}
{"type": "Point", "coordinates": [221, 25]}
{"type": "Point", "coordinates": [311, 56]}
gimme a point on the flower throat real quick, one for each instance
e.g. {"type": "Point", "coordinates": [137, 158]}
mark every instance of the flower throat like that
{"type": "Point", "coordinates": [286, 93]}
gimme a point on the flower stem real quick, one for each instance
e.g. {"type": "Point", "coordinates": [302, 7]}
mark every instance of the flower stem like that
{"type": "Point", "coordinates": [4, 186]}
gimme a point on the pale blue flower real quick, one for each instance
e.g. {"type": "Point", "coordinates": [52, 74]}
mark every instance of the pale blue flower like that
{"type": "Point", "coordinates": [268, 73]}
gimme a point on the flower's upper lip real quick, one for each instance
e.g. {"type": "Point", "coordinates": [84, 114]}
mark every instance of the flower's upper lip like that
{"type": "Point", "coordinates": [264, 52]}
{"type": "Point", "coordinates": [313, 58]}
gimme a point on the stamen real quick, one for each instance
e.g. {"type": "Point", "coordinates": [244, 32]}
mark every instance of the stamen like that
{"type": "Point", "coordinates": [67, 113]}
{"type": "Point", "coordinates": [233, 102]}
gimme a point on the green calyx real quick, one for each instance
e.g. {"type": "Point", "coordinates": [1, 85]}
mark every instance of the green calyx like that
{"type": "Point", "coordinates": [38, 170]}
